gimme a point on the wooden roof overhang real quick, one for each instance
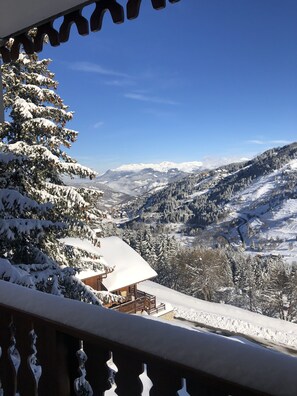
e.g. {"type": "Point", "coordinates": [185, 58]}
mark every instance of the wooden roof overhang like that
{"type": "Point", "coordinates": [17, 17]}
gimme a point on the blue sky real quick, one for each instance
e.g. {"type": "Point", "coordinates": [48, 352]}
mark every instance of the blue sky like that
{"type": "Point", "coordinates": [207, 78]}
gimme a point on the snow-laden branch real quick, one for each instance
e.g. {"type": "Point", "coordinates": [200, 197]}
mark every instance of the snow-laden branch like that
{"type": "Point", "coordinates": [7, 157]}
{"type": "Point", "coordinates": [13, 229]}
{"type": "Point", "coordinates": [14, 274]}
{"type": "Point", "coordinates": [39, 152]}
{"type": "Point", "coordinates": [15, 201]}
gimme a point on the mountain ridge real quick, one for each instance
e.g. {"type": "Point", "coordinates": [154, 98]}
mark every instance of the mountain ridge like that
{"type": "Point", "coordinates": [141, 178]}
{"type": "Point", "coordinates": [164, 166]}
{"type": "Point", "coordinates": [253, 203]}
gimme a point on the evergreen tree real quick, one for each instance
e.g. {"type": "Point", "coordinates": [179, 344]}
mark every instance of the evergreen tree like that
{"type": "Point", "coordinates": [36, 207]}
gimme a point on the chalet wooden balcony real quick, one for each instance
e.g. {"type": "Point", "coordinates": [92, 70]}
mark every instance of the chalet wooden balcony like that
{"type": "Point", "coordinates": [52, 346]}
{"type": "Point", "coordinates": [143, 302]}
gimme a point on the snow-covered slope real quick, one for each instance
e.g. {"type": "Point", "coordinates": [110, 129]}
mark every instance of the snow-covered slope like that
{"type": "Point", "coordinates": [268, 212]}
{"type": "Point", "coordinates": [253, 203]}
{"type": "Point", "coordinates": [226, 317]}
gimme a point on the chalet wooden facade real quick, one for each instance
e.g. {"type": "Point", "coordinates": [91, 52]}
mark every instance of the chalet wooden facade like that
{"type": "Point", "coordinates": [95, 282]}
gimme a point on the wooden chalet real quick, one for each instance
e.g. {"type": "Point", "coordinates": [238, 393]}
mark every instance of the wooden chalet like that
{"type": "Point", "coordinates": [128, 269]}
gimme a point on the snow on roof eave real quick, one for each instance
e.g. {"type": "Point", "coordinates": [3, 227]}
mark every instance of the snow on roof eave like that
{"type": "Point", "coordinates": [83, 244]}
{"type": "Point", "coordinates": [120, 286]}
{"type": "Point", "coordinates": [86, 274]}
{"type": "Point", "coordinates": [129, 266]}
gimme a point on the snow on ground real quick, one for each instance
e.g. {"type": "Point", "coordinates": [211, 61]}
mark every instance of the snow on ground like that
{"type": "Point", "coordinates": [287, 209]}
{"type": "Point", "coordinates": [278, 228]}
{"type": "Point", "coordinates": [226, 317]}
{"type": "Point", "coordinates": [261, 188]}
{"type": "Point", "coordinates": [292, 164]}
{"type": "Point", "coordinates": [275, 226]}
{"type": "Point", "coordinates": [196, 194]}
{"type": "Point", "coordinates": [255, 191]}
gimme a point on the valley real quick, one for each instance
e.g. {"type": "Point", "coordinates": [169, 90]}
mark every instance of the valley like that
{"type": "Point", "coordinates": [226, 234]}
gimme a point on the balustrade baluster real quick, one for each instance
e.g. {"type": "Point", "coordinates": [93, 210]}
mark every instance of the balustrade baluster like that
{"type": "Point", "coordinates": [57, 356]}
{"type": "Point", "coordinates": [66, 363]}
{"type": "Point", "coordinates": [26, 381]}
{"type": "Point", "coordinates": [47, 354]}
{"type": "Point", "coordinates": [97, 369]}
{"type": "Point", "coordinates": [81, 386]}
{"type": "Point", "coordinates": [7, 369]}
{"type": "Point", "coordinates": [127, 378]}
{"type": "Point", "coordinates": [166, 382]}
{"type": "Point", "coordinates": [33, 360]}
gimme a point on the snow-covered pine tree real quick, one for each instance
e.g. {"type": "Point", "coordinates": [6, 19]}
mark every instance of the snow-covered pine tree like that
{"type": "Point", "coordinates": [36, 207]}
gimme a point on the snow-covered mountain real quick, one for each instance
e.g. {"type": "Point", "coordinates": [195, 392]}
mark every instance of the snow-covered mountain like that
{"type": "Point", "coordinates": [164, 166]}
{"type": "Point", "coordinates": [253, 203]}
{"type": "Point", "coordinates": [138, 179]}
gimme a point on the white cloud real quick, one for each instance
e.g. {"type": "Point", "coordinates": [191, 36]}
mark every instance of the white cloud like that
{"type": "Point", "coordinates": [216, 161]}
{"type": "Point", "coordinates": [119, 82]}
{"type": "Point", "coordinates": [98, 124]}
{"type": "Point", "coordinates": [90, 67]}
{"type": "Point", "coordinates": [268, 142]}
{"type": "Point", "coordinates": [255, 142]}
{"type": "Point", "coordinates": [280, 141]}
{"type": "Point", "coordinates": [152, 99]}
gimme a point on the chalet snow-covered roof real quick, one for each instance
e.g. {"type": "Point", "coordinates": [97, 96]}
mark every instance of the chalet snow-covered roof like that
{"type": "Point", "coordinates": [129, 267]}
